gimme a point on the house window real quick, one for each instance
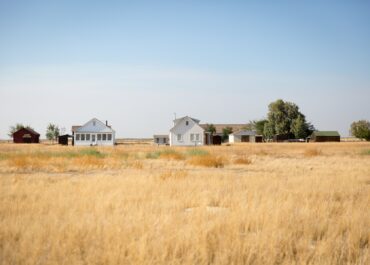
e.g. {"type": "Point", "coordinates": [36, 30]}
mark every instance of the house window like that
{"type": "Point", "coordinates": [109, 137]}
{"type": "Point", "coordinates": [192, 137]}
{"type": "Point", "coordinates": [94, 123]}
{"type": "Point", "coordinates": [104, 137]}
{"type": "Point", "coordinates": [187, 123]}
{"type": "Point", "coordinates": [179, 137]}
{"type": "Point", "coordinates": [87, 137]}
{"type": "Point", "coordinates": [77, 137]}
{"type": "Point", "coordinates": [82, 137]}
{"type": "Point", "coordinates": [93, 137]}
{"type": "Point", "coordinates": [164, 140]}
{"type": "Point", "coordinates": [157, 140]}
{"type": "Point", "coordinates": [99, 137]}
{"type": "Point", "coordinates": [197, 137]}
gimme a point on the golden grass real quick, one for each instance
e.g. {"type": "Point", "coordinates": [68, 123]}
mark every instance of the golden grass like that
{"type": "Point", "coordinates": [62, 205]}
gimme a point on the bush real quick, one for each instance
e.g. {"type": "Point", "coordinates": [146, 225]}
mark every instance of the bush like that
{"type": "Point", "coordinates": [92, 152]}
{"type": "Point", "coordinates": [197, 152]}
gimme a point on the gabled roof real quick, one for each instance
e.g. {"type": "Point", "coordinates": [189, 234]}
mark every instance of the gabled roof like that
{"type": "Point", "coordinates": [179, 119]}
{"type": "Point", "coordinates": [220, 127]}
{"type": "Point", "coordinates": [161, 136]}
{"type": "Point", "coordinates": [103, 126]}
{"type": "Point", "coordinates": [75, 127]}
{"type": "Point", "coordinates": [244, 132]}
{"type": "Point", "coordinates": [325, 133]}
{"type": "Point", "coordinates": [31, 131]}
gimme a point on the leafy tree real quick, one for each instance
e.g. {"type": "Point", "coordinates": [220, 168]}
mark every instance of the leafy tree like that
{"type": "Point", "coordinates": [225, 133]}
{"type": "Point", "coordinates": [361, 129]}
{"type": "Point", "coordinates": [258, 126]}
{"type": "Point", "coordinates": [268, 130]}
{"type": "Point", "coordinates": [17, 127]}
{"type": "Point", "coordinates": [52, 132]}
{"type": "Point", "coordinates": [285, 118]}
{"type": "Point", "coordinates": [210, 128]}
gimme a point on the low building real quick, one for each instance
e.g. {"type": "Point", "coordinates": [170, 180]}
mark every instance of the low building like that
{"type": "Point", "coordinates": [325, 136]}
{"type": "Point", "coordinates": [244, 136]}
{"type": "Point", "coordinates": [26, 136]}
{"type": "Point", "coordinates": [92, 133]}
{"type": "Point", "coordinates": [63, 139]}
{"type": "Point", "coordinates": [216, 137]}
{"type": "Point", "coordinates": [161, 139]}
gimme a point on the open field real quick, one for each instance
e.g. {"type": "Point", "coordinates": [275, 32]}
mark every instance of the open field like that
{"type": "Point", "coordinates": [141, 204]}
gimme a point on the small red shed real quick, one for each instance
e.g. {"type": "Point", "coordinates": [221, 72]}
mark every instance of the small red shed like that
{"type": "Point", "coordinates": [26, 136]}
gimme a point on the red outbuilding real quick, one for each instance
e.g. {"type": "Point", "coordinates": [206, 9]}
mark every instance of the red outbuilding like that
{"type": "Point", "coordinates": [26, 136]}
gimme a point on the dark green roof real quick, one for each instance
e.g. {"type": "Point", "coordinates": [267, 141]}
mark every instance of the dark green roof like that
{"type": "Point", "coordinates": [325, 133]}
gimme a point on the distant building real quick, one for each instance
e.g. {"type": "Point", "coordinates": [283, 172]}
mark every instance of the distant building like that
{"type": "Point", "coordinates": [26, 136]}
{"type": "Point", "coordinates": [215, 138]}
{"type": "Point", "coordinates": [63, 139]}
{"type": "Point", "coordinates": [94, 132]}
{"type": "Point", "coordinates": [325, 136]}
{"type": "Point", "coordinates": [186, 132]}
{"type": "Point", "coordinates": [244, 136]}
{"type": "Point", "coordinates": [161, 139]}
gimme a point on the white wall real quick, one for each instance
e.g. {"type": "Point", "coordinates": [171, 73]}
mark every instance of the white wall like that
{"type": "Point", "coordinates": [186, 131]}
{"type": "Point", "coordinates": [96, 142]}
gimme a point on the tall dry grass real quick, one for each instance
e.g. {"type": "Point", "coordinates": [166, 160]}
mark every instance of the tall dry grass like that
{"type": "Point", "coordinates": [64, 205]}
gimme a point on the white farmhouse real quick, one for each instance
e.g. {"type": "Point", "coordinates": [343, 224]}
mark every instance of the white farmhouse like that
{"type": "Point", "coordinates": [94, 132]}
{"type": "Point", "coordinates": [186, 132]}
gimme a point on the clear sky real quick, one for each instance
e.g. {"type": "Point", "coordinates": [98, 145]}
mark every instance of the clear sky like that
{"type": "Point", "coordinates": [136, 63]}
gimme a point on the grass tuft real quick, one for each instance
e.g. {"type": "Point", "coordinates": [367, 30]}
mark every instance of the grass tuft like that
{"type": "Point", "coordinates": [312, 152]}
{"type": "Point", "coordinates": [197, 152]}
{"type": "Point", "coordinates": [207, 161]}
{"type": "Point", "coordinates": [92, 152]}
{"type": "Point", "coordinates": [242, 161]}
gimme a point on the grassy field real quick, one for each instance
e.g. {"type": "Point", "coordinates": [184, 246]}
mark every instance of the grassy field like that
{"type": "Point", "coordinates": [140, 204]}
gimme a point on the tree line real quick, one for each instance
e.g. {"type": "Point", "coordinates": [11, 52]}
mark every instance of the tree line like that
{"type": "Point", "coordinates": [285, 118]}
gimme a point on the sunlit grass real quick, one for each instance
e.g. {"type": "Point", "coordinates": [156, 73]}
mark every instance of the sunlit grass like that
{"type": "Point", "coordinates": [238, 204]}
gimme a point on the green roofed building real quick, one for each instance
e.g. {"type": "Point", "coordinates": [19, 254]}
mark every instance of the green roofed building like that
{"type": "Point", "coordinates": [325, 136]}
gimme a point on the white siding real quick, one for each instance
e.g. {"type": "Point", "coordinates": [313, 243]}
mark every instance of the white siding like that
{"type": "Point", "coordinates": [94, 128]}
{"type": "Point", "coordinates": [186, 131]}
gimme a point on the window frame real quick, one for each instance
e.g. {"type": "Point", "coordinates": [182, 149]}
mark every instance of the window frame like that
{"type": "Point", "coordinates": [83, 137]}
{"type": "Point", "coordinates": [104, 137]}
{"type": "Point", "coordinates": [78, 137]}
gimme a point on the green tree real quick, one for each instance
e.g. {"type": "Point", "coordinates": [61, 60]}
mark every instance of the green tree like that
{"type": "Point", "coordinates": [17, 127]}
{"type": "Point", "coordinates": [258, 126]}
{"type": "Point", "coordinates": [210, 128]}
{"type": "Point", "coordinates": [285, 118]}
{"type": "Point", "coordinates": [361, 129]}
{"type": "Point", "coordinates": [268, 130]}
{"type": "Point", "coordinates": [52, 132]}
{"type": "Point", "coordinates": [225, 133]}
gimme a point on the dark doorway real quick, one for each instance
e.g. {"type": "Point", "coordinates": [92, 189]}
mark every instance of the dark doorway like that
{"type": "Point", "coordinates": [245, 139]}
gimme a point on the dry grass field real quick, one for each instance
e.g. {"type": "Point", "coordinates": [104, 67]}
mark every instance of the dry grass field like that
{"type": "Point", "coordinates": [140, 204]}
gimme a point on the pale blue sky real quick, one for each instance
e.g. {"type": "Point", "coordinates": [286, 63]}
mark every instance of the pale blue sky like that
{"type": "Point", "coordinates": [135, 63]}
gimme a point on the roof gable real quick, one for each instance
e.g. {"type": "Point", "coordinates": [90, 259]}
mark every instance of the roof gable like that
{"type": "Point", "coordinates": [180, 121]}
{"type": "Point", "coordinates": [94, 125]}
{"type": "Point", "coordinates": [29, 130]}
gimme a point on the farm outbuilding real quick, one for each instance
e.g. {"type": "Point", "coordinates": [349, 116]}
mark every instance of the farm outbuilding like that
{"type": "Point", "coordinates": [63, 139]}
{"type": "Point", "coordinates": [244, 136]}
{"type": "Point", "coordinates": [161, 139]}
{"type": "Point", "coordinates": [26, 136]}
{"type": "Point", "coordinates": [216, 137]}
{"type": "Point", "coordinates": [325, 136]}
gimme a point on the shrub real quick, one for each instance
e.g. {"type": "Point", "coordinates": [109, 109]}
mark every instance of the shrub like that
{"type": "Point", "coordinates": [92, 152]}
{"type": "Point", "coordinates": [153, 155]}
{"type": "Point", "coordinates": [366, 152]}
{"type": "Point", "coordinates": [171, 154]}
{"type": "Point", "coordinates": [197, 152]}
{"type": "Point", "coordinates": [176, 174]}
{"type": "Point", "coordinates": [207, 161]}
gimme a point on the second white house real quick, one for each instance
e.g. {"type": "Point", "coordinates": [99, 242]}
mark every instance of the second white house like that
{"type": "Point", "coordinates": [94, 132]}
{"type": "Point", "coordinates": [186, 132]}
